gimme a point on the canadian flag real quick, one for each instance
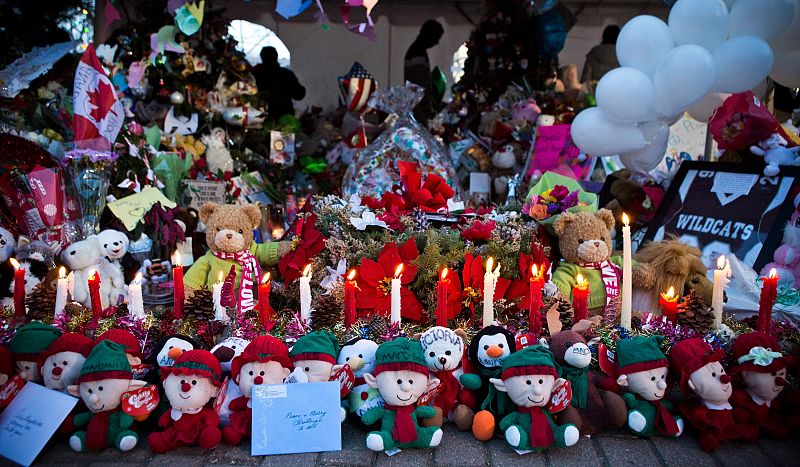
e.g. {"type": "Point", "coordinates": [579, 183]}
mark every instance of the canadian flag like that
{"type": "Point", "coordinates": [98, 112]}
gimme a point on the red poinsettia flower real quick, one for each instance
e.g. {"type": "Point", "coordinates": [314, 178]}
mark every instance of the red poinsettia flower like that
{"type": "Point", "coordinates": [429, 196]}
{"type": "Point", "coordinates": [472, 276]}
{"type": "Point", "coordinates": [375, 281]}
{"type": "Point", "coordinates": [479, 231]}
{"type": "Point", "coordinates": [392, 218]}
{"type": "Point", "coordinates": [307, 243]}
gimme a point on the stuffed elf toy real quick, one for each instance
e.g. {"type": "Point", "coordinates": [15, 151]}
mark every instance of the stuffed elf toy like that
{"type": "Point", "coordinates": [105, 376]}
{"type": "Point", "coordinates": [529, 377]}
{"type": "Point", "coordinates": [702, 374]}
{"type": "Point", "coordinates": [642, 368]}
{"type": "Point", "coordinates": [761, 370]}
{"type": "Point", "coordinates": [402, 376]}
{"type": "Point", "coordinates": [123, 337]}
{"type": "Point", "coordinates": [27, 345]}
{"type": "Point", "coordinates": [189, 385]}
{"type": "Point", "coordinates": [315, 353]}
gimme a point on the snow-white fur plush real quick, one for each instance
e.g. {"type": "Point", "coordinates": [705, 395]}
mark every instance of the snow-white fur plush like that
{"type": "Point", "coordinates": [217, 155]}
{"type": "Point", "coordinates": [786, 259]}
{"type": "Point", "coordinates": [115, 246]}
{"type": "Point", "coordinates": [775, 152]}
{"type": "Point", "coordinates": [82, 258]}
{"type": "Point", "coordinates": [443, 348]}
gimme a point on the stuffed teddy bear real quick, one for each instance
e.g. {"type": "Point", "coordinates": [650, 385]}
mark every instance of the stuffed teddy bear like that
{"type": "Point", "coordinates": [676, 265]}
{"type": "Point", "coordinates": [189, 384]}
{"type": "Point", "coordinates": [264, 361]}
{"type": "Point", "coordinates": [701, 373]}
{"type": "Point", "coordinates": [316, 353]}
{"type": "Point", "coordinates": [104, 378]}
{"type": "Point", "coordinates": [529, 377]}
{"type": "Point", "coordinates": [359, 353]}
{"type": "Point", "coordinates": [761, 370]}
{"type": "Point", "coordinates": [402, 377]}
{"type": "Point", "coordinates": [63, 360]}
{"type": "Point", "coordinates": [229, 233]}
{"type": "Point", "coordinates": [217, 155]}
{"type": "Point", "coordinates": [82, 258]}
{"type": "Point", "coordinates": [585, 243]}
{"type": "Point", "coordinates": [636, 196]}
{"type": "Point", "coordinates": [225, 352]}
{"type": "Point", "coordinates": [786, 259]}
{"type": "Point", "coordinates": [27, 345]}
{"type": "Point", "coordinates": [444, 350]}
{"type": "Point", "coordinates": [591, 409]}
{"type": "Point", "coordinates": [776, 153]}
{"type": "Point", "coordinates": [643, 368]}
{"type": "Point", "coordinates": [490, 346]}
{"type": "Point", "coordinates": [115, 246]}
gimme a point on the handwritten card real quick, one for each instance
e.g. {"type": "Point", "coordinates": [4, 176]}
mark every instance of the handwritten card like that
{"type": "Point", "coordinates": [131, 209]}
{"type": "Point", "coordinates": [202, 191]}
{"type": "Point", "coordinates": [30, 420]}
{"type": "Point", "coordinates": [292, 418]}
{"type": "Point", "coordinates": [554, 151]}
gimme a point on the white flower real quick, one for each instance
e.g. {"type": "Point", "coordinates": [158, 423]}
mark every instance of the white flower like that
{"type": "Point", "coordinates": [355, 204]}
{"type": "Point", "coordinates": [335, 276]}
{"type": "Point", "coordinates": [367, 219]}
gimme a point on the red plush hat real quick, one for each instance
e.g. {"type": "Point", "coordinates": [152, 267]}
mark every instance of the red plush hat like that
{"type": "Point", "coordinates": [6, 362]}
{"type": "Point", "coordinates": [690, 355]}
{"type": "Point", "coordinates": [69, 342]}
{"type": "Point", "coordinates": [196, 362]}
{"type": "Point", "coordinates": [123, 338]}
{"type": "Point", "coordinates": [757, 351]}
{"type": "Point", "coordinates": [262, 349]}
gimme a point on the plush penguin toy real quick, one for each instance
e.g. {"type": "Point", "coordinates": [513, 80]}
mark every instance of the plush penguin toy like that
{"type": "Point", "coordinates": [488, 349]}
{"type": "Point", "coordinates": [360, 355]}
{"type": "Point", "coordinates": [163, 356]}
{"type": "Point", "coordinates": [225, 352]}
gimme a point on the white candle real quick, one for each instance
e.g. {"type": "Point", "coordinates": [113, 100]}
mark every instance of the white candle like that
{"type": "Point", "coordinates": [627, 289]}
{"type": "Point", "coordinates": [489, 284]}
{"type": "Point", "coordinates": [135, 302]}
{"type": "Point", "coordinates": [396, 302]}
{"type": "Point", "coordinates": [61, 292]}
{"type": "Point", "coordinates": [305, 294]}
{"type": "Point", "coordinates": [216, 292]}
{"type": "Point", "coordinates": [721, 275]}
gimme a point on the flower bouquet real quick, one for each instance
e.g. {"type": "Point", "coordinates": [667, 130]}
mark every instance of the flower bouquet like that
{"type": "Point", "coordinates": [89, 171]}
{"type": "Point", "coordinates": [554, 195]}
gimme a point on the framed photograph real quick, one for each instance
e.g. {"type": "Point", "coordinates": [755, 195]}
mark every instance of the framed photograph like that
{"type": "Point", "coordinates": [727, 209]}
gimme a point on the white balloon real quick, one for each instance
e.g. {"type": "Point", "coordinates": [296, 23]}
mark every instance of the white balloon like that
{"type": "Point", "coordinates": [790, 39]}
{"type": "Point", "coordinates": [703, 110]}
{"type": "Point", "coordinates": [766, 19]}
{"type": "Point", "coordinates": [682, 78]}
{"type": "Point", "coordinates": [786, 69]}
{"type": "Point", "coordinates": [741, 63]}
{"type": "Point", "coordinates": [626, 94]}
{"type": "Point", "coordinates": [701, 22]}
{"type": "Point", "coordinates": [598, 135]}
{"type": "Point", "coordinates": [647, 158]}
{"type": "Point", "coordinates": [642, 42]}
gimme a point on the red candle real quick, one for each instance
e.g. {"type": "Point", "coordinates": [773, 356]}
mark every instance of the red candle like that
{"type": "Point", "coordinates": [441, 298]}
{"type": "Point", "coordinates": [669, 304]}
{"type": "Point", "coordinates": [535, 292]}
{"type": "Point", "coordinates": [94, 295]}
{"type": "Point", "coordinates": [178, 296]}
{"type": "Point", "coordinates": [350, 299]}
{"type": "Point", "coordinates": [19, 289]}
{"type": "Point", "coordinates": [580, 299]}
{"type": "Point", "coordinates": [264, 310]}
{"type": "Point", "coordinates": [769, 292]}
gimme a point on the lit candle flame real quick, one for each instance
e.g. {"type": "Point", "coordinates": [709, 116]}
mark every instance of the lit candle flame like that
{"type": "Point", "coordinates": [444, 273]}
{"type": "Point", "coordinates": [266, 277]}
{"type": "Point", "coordinates": [534, 271]}
{"type": "Point", "coordinates": [62, 272]}
{"type": "Point", "coordinates": [14, 262]}
{"type": "Point", "coordinates": [670, 293]}
{"type": "Point", "coordinates": [625, 219]}
{"type": "Point", "coordinates": [581, 281]}
{"type": "Point", "coordinates": [398, 270]}
{"type": "Point", "coordinates": [219, 278]}
{"type": "Point", "coordinates": [351, 275]}
{"type": "Point", "coordinates": [176, 259]}
{"type": "Point", "coordinates": [773, 273]}
{"type": "Point", "coordinates": [93, 274]}
{"type": "Point", "coordinates": [307, 271]}
{"type": "Point", "coordinates": [489, 264]}
{"type": "Point", "coordinates": [137, 279]}
{"type": "Point", "coordinates": [721, 262]}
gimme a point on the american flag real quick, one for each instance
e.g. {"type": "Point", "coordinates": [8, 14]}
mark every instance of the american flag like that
{"type": "Point", "coordinates": [356, 86]}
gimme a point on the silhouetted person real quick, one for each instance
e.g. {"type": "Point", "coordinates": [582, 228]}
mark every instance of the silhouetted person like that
{"type": "Point", "coordinates": [417, 67]}
{"type": "Point", "coordinates": [278, 85]}
{"type": "Point", "coordinates": [602, 58]}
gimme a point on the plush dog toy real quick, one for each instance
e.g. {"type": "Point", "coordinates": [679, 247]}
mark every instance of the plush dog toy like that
{"type": "Point", "coordinates": [27, 346]}
{"type": "Point", "coordinates": [401, 376]}
{"type": "Point", "coordinates": [189, 384]}
{"type": "Point", "coordinates": [63, 360]}
{"type": "Point", "coordinates": [642, 368]}
{"type": "Point", "coordinates": [105, 376]}
{"type": "Point", "coordinates": [360, 355]}
{"type": "Point", "coordinates": [761, 371]}
{"type": "Point", "coordinates": [264, 361]}
{"type": "Point", "coordinates": [702, 374]}
{"type": "Point", "coordinates": [529, 377]}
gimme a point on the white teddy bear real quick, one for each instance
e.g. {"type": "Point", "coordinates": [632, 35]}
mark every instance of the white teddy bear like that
{"type": "Point", "coordinates": [775, 152]}
{"type": "Point", "coordinates": [217, 155]}
{"type": "Point", "coordinates": [82, 258]}
{"type": "Point", "coordinates": [115, 246]}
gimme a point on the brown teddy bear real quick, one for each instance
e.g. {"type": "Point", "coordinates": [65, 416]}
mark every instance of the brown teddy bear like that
{"type": "Point", "coordinates": [229, 233]}
{"type": "Point", "coordinates": [591, 409]}
{"type": "Point", "coordinates": [585, 242]}
{"type": "Point", "coordinates": [676, 265]}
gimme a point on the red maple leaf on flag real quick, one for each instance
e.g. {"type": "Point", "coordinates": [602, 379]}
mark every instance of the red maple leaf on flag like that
{"type": "Point", "coordinates": [102, 101]}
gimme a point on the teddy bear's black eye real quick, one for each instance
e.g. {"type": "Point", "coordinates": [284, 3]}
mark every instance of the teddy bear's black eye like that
{"type": "Point", "coordinates": [602, 239]}
{"type": "Point", "coordinates": [218, 229]}
{"type": "Point", "coordinates": [432, 354]}
{"type": "Point", "coordinates": [240, 231]}
{"type": "Point", "coordinates": [233, 347]}
{"type": "Point", "coordinates": [105, 245]}
{"type": "Point", "coordinates": [447, 352]}
{"type": "Point", "coordinates": [580, 240]}
{"type": "Point", "coordinates": [360, 356]}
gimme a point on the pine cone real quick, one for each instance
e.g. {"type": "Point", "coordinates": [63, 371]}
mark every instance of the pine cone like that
{"type": "Point", "coordinates": [379, 326]}
{"type": "Point", "coordinates": [694, 313]}
{"type": "Point", "coordinates": [41, 302]}
{"type": "Point", "coordinates": [200, 306]}
{"type": "Point", "coordinates": [326, 313]}
{"type": "Point", "coordinates": [565, 313]}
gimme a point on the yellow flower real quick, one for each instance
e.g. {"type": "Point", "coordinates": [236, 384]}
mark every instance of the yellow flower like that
{"type": "Point", "coordinates": [193, 147]}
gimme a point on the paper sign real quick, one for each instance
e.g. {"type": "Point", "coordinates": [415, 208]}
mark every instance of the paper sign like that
{"type": "Point", "coordinates": [201, 192]}
{"type": "Point", "coordinates": [560, 398]}
{"type": "Point", "coordinates": [30, 420]}
{"type": "Point", "coordinates": [131, 209]}
{"type": "Point", "coordinates": [555, 151]}
{"type": "Point", "coordinates": [294, 418]}
{"type": "Point", "coordinates": [140, 402]}
{"type": "Point", "coordinates": [346, 378]}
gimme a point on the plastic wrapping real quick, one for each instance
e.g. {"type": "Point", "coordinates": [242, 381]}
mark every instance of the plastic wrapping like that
{"type": "Point", "coordinates": [374, 170]}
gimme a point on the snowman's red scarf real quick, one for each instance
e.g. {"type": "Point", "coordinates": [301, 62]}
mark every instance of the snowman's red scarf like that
{"type": "Point", "coordinates": [610, 274]}
{"type": "Point", "coordinates": [250, 270]}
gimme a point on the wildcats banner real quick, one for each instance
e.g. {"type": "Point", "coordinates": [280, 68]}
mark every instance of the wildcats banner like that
{"type": "Point", "coordinates": [98, 112]}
